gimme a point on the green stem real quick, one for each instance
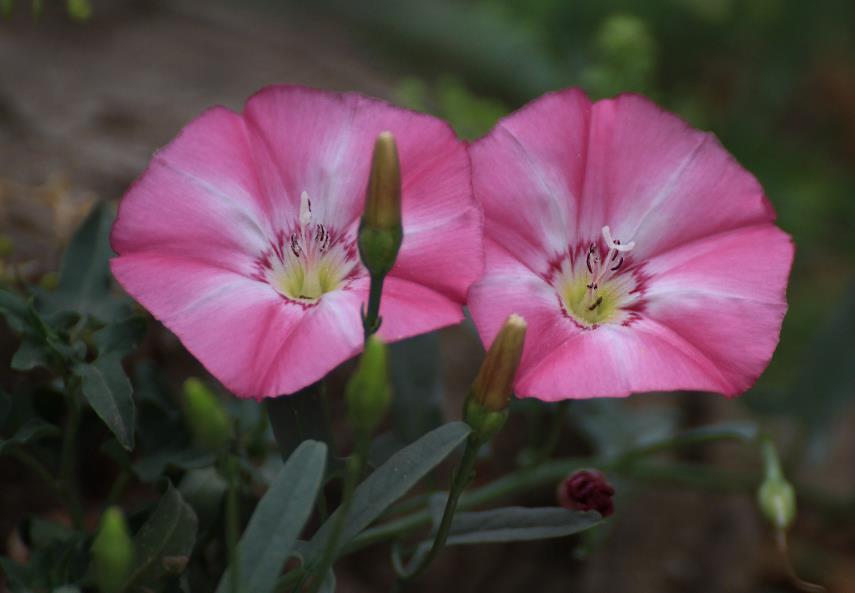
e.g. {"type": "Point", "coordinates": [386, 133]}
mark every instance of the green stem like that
{"type": "Point", "coordinates": [371, 319]}
{"type": "Point", "coordinates": [462, 478]}
{"type": "Point", "coordinates": [232, 522]}
{"type": "Point", "coordinates": [557, 422]}
{"type": "Point", "coordinates": [68, 465]}
{"type": "Point", "coordinates": [118, 487]}
{"type": "Point", "coordinates": [355, 467]}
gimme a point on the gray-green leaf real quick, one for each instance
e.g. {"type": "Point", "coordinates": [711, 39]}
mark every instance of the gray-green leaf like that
{"type": "Point", "coordinates": [278, 520]}
{"type": "Point", "coordinates": [108, 391]}
{"type": "Point", "coordinates": [163, 543]}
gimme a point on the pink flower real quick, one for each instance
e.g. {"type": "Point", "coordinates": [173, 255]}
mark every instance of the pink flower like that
{"type": "Point", "coordinates": [241, 235]}
{"type": "Point", "coordinates": [642, 256]}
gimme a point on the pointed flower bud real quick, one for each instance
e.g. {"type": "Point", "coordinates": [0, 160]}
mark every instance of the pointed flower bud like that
{"type": "Point", "coordinates": [495, 381]}
{"type": "Point", "coordinates": [368, 393]}
{"type": "Point", "coordinates": [776, 496]}
{"type": "Point", "coordinates": [587, 490]}
{"type": "Point", "coordinates": [380, 230]}
{"type": "Point", "coordinates": [112, 552]}
{"type": "Point", "coordinates": [206, 418]}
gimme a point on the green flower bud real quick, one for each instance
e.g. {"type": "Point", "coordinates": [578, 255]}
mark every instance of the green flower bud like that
{"type": "Point", "coordinates": [776, 496]}
{"type": "Point", "coordinates": [485, 423]}
{"type": "Point", "coordinates": [112, 552]}
{"type": "Point", "coordinates": [206, 418]}
{"type": "Point", "coordinates": [368, 393]}
{"type": "Point", "coordinates": [380, 230]}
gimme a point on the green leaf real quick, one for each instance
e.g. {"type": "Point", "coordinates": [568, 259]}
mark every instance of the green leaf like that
{"type": "Point", "coordinates": [5, 407]}
{"type": "Point", "coordinates": [414, 365]}
{"type": "Point", "coordinates": [508, 524]}
{"type": "Point", "coordinates": [278, 520]}
{"type": "Point", "coordinates": [34, 430]}
{"type": "Point", "coordinates": [121, 337]}
{"type": "Point", "coordinates": [31, 353]}
{"type": "Point", "coordinates": [84, 276]}
{"type": "Point", "coordinates": [15, 310]}
{"type": "Point", "coordinates": [163, 543]}
{"type": "Point", "coordinates": [154, 465]}
{"type": "Point", "coordinates": [391, 481]}
{"type": "Point", "coordinates": [108, 391]}
{"type": "Point", "coordinates": [511, 524]}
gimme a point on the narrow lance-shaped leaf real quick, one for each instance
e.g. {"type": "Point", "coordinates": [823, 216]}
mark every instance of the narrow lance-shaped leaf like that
{"type": "Point", "coordinates": [390, 481]}
{"type": "Point", "coordinates": [109, 392]}
{"type": "Point", "coordinates": [278, 520]}
{"type": "Point", "coordinates": [164, 543]}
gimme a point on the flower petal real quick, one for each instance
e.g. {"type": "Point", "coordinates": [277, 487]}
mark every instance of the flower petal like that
{"type": "Point", "coordinates": [511, 287]}
{"type": "Point", "coordinates": [726, 295]}
{"type": "Point", "coordinates": [660, 183]}
{"type": "Point", "coordinates": [616, 360]}
{"type": "Point", "coordinates": [198, 198]}
{"type": "Point", "coordinates": [250, 338]}
{"type": "Point", "coordinates": [528, 176]}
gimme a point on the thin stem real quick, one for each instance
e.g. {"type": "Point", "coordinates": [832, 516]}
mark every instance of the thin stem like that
{"type": "Point", "coordinates": [554, 435]}
{"type": "Point", "coordinates": [68, 464]}
{"type": "Point", "coordinates": [118, 487]}
{"type": "Point", "coordinates": [371, 319]}
{"type": "Point", "coordinates": [462, 478]}
{"type": "Point", "coordinates": [232, 522]}
{"type": "Point", "coordinates": [355, 468]}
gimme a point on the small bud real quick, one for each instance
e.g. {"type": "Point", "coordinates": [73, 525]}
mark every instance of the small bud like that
{"type": "Point", "coordinates": [587, 490]}
{"type": "Point", "coordinates": [494, 384]}
{"type": "Point", "coordinates": [380, 230]}
{"type": "Point", "coordinates": [112, 552]}
{"type": "Point", "coordinates": [206, 418]}
{"type": "Point", "coordinates": [776, 496]}
{"type": "Point", "coordinates": [368, 393]}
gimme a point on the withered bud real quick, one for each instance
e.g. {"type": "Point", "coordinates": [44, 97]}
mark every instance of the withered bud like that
{"type": "Point", "coordinates": [587, 490]}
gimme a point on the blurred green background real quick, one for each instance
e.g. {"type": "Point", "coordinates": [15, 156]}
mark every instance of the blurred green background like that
{"type": "Point", "coordinates": [88, 92]}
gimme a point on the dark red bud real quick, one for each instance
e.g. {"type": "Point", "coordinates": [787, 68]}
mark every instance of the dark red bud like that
{"type": "Point", "coordinates": [587, 490]}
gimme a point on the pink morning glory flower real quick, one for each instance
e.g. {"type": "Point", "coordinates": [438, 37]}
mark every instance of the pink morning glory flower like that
{"type": "Point", "coordinates": [241, 235]}
{"type": "Point", "coordinates": [641, 254]}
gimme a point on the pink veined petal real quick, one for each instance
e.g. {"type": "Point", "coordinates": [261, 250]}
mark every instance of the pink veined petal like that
{"type": "Point", "coordinates": [322, 144]}
{"type": "Point", "coordinates": [199, 198]}
{"type": "Point", "coordinates": [726, 295]}
{"type": "Point", "coordinates": [508, 287]}
{"type": "Point", "coordinates": [409, 309]}
{"type": "Point", "coordinates": [617, 360]}
{"type": "Point", "coordinates": [656, 181]}
{"type": "Point", "coordinates": [528, 176]}
{"type": "Point", "coordinates": [256, 343]}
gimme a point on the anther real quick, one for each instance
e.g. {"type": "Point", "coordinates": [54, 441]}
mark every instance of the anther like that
{"type": "Point", "coordinates": [618, 265]}
{"type": "Point", "coordinates": [596, 304]}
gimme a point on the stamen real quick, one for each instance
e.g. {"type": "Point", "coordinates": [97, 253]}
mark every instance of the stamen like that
{"type": "Point", "coordinates": [588, 258]}
{"type": "Point", "coordinates": [305, 209]}
{"type": "Point", "coordinates": [596, 304]}
{"type": "Point", "coordinates": [619, 264]}
{"type": "Point", "coordinates": [616, 245]}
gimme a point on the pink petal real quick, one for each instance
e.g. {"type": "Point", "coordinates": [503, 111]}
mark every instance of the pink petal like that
{"type": "Point", "coordinates": [322, 142]}
{"type": "Point", "coordinates": [251, 339]}
{"type": "Point", "coordinates": [509, 286]}
{"type": "Point", "coordinates": [528, 176]}
{"type": "Point", "coordinates": [656, 181]}
{"type": "Point", "coordinates": [409, 309]}
{"type": "Point", "coordinates": [616, 360]}
{"type": "Point", "coordinates": [726, 295]}
{"type": "Point", "coordinates": [199, 198]}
